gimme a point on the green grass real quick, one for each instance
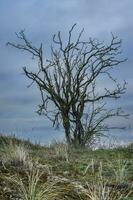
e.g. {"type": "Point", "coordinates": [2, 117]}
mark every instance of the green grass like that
{"type": "Point", "coordinates": [33, 172]}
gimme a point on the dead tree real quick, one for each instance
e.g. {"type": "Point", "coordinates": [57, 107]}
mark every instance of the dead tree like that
{"type": "Point", "coordinates": [69, 80]}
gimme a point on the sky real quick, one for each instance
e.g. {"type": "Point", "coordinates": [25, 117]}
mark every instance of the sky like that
{"type": "Point", "coordinates": [41, 19]}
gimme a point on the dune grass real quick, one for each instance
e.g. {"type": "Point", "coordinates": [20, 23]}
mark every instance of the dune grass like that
{"type": "Point", "coordinates": [33, 172]}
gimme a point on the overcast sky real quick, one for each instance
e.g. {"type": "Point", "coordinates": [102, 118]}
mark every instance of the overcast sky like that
{"type": "Point", "coordinates": [41, 19]}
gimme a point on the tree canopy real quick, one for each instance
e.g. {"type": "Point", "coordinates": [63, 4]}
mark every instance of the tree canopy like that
{"type": "Point", "coordinates": [69, 80]}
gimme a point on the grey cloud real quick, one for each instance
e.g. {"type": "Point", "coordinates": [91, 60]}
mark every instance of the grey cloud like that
{"type": "Point", "coordinates": [41, 19]}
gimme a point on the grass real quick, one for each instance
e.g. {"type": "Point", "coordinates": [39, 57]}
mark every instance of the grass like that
{"type": "Point", "coordinates": [14, 153]}
{"type": "Point", "coordinates": [61, 150]}
{"type": "Point", "coordinates": [33, 188]}
{"type": "Point", "coordinates": [102, 189]}
{"type": "Point", "coordinates": [33, 172]}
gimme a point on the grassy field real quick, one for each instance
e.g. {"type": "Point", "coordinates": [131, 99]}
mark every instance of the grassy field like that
{"type": "Point", "coordinates": [56, 172]}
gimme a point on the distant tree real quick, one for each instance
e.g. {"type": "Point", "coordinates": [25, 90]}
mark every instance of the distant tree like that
{"type": "Point", "coordinates": [69, 80]}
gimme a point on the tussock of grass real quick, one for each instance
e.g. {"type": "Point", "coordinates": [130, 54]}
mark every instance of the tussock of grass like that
{"type": "Point", "coordinates": [60, 150]}
{"type": "Point", "coordinates": [101, 188]}
{"type": "Point", "coordinates": [14, 153]}
{"type": "Point", "coordinates": [31, 187]}
{"type": "Point", "coordinates": [119, 169]}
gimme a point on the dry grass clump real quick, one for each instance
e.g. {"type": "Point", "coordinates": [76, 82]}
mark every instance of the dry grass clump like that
{"type": "Point", "coordinates": [102, 189]}
{"type": "Point", "coordinates": [30, 187]}
{"type": "Point", "coordinates": [119, 169]}
{"type": "Point", "coordinates": [35, 185]}
{"type": "Point", "coordinates": [60, 150]}
{"type": "Point", "coordinates": [14, 153]}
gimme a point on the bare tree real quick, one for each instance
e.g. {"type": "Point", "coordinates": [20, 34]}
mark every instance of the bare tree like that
{"type": "Point", "coordinates": [69, 80]}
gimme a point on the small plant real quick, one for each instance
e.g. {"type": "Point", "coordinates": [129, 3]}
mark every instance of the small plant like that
{"type": "Point", "coordinates": [36, 186]}
{"type": "Point", "coordinates": [101, 189]}
{"type": "Point", "coordinates": [119, 168]}
{"type": "Point", "coordinates": [31, 187]}
{"type": "Point", "coordinates": [14, 153]}
{"type": "Point", "coordinates": [91, 166]}
{"type": "Point", "coordinates": [61, 151]}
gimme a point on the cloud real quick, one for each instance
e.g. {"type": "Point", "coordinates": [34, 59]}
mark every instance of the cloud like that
{"type": "Point", "coordinates": [42, 19]}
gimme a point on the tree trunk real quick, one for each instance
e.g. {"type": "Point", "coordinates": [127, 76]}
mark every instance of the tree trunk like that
{"type": "Point", "coordinates": [66, 125]}
{"type": "Point", "coordinates": [78, 134]}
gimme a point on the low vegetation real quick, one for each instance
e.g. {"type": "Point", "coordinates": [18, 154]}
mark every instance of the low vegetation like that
{"type": "Point", "coordinates": [56, 172]}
